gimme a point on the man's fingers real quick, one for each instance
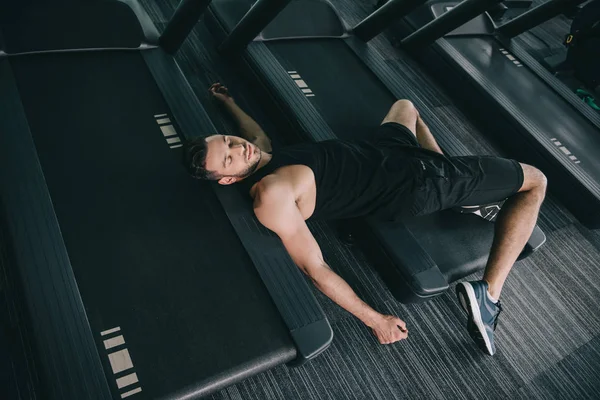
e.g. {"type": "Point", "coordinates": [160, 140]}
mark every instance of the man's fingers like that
{"type": "Point", "coordinates": [401, 324]}
{"type": "Point", "coordinates": [402, 334]}
{"type": "Point", "coordinates": [217, 87]}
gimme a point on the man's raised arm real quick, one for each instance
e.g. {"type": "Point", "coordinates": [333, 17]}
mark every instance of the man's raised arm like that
{"type": "Point", "coordinates": [248, 127]}
{"type": "Point", "coordinates": [276, 209]}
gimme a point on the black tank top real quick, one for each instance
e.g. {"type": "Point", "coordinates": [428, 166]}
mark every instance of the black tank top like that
{"type": "Point", "coordinates": [353, 178]}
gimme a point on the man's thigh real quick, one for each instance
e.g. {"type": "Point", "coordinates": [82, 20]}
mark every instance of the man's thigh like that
{"type": "Point", "coordinates": [468, 181]}
{"type": "Point", "coordinates": [392, 134]}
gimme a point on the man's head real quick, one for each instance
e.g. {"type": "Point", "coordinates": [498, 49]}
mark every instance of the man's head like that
{"type": "Point", "coordinates": [222, 158]}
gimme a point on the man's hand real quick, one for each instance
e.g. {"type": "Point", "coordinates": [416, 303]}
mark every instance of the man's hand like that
{"type": "Point", "coordinates": [220, 93]}
{"type": "Point", "coordinates": [389, 329]}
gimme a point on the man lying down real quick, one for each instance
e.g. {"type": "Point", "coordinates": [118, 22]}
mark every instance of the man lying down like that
{"type": "Point", "coordinates": [399, 170]}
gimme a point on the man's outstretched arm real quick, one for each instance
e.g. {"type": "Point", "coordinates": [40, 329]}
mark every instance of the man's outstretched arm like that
{"type": "Point", "coordinates": [277, 210]}
{"type": "Point", "coordinates": [248, 127]}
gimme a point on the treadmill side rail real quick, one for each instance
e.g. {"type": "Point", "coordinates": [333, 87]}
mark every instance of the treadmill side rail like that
{"type": "Point", "coordinates": [69, 361]}
{"type": "Point", "coordinates": [298, 306]}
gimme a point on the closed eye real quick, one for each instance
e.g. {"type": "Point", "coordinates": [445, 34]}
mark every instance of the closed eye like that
{"type": "Point", "coordinates": [227, 160]}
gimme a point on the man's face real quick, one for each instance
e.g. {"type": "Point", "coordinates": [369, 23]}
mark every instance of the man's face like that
{"type": "Point", "coordinates": [232, 157]}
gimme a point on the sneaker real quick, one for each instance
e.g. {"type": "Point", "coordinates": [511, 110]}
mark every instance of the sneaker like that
{"type": "Point", "coordinates": [482, 313]}
{"type": "Point", "coordinates": [489, 212]}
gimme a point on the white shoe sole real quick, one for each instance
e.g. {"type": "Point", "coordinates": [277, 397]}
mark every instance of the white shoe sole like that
{"type": "Point", "coordinates": [473, 310]}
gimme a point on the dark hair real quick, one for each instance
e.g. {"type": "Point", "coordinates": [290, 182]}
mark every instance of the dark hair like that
{"type": "Point", "coordinates": [194, 159]}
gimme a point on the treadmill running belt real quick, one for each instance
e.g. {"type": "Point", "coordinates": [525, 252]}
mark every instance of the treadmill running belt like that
{"type": "Point", "coordinates": [151, 249]}
{"type": "Point", "coordinates": [365, 101]}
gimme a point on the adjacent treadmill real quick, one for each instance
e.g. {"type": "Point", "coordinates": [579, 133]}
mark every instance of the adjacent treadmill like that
{"type": "Point", "coordinates": [136, 280]}
{"type": "Point", "coordinates": [329, 84]}
{"type": "Point", "coordinates": [534, 115]}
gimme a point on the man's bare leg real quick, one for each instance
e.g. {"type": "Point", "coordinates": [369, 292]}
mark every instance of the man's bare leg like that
{"type": "Point", "coordinates": [514, 225]}
{"type": "Point", "coordinates": [425, 138]}
{"type": "Point", "coordinates": [405, 113]}
{"type": "Point", "coordinates": [515, 221]}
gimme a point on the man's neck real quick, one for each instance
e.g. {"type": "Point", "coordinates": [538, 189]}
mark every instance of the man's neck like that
{"type": "Point", "coordinates": [264, 160]}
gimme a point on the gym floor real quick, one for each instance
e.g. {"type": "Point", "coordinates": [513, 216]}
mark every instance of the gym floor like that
{"type": "Point", "coordinates": [548, 338]}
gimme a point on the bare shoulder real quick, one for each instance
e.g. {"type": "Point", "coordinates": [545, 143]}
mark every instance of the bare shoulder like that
{"type": "Point", "coordinates": [275, 202]}
{"type": "Point", "coordinates": [273, 189]}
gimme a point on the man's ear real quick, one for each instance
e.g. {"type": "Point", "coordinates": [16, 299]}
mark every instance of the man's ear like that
{"type": "Point", "coordinates": [227, 180]}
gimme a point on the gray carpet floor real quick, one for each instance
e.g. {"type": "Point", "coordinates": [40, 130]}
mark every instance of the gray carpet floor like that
{"type": "Point", "coordinates": [548, 337]}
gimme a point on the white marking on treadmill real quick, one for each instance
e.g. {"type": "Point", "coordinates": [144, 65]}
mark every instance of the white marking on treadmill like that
{"type": "Point", "coordinates": [173, 140]}
{"type": "Point", "coordinates": [168, 130]}
{"type": "Point", "coordinates": [120, 361]}
{"type": "Point", "coordinates": [131, 392]}
{"type": "Point", "coordinates": [163, 121]}
{"type": "Point", "coordinates": [109, 331]}
{"type": "Point", "coordinates": [510, 57]}
{"type": "Point", "coordinates": [565, 150]}
{"type": "Point", "coordinates": [114, 342]}
{"type": "Point", "coordinates": [127, 380]}
{"type": "Point", "coordinates": [301, 84]}
{"type": "Point", "coordinates": [175, 146]}
{"type": "Point", "coordinates": [160, 115]}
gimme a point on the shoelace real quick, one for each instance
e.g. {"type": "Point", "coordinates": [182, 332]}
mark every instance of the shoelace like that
{"type": "Point", "coordinates": [497, 314]}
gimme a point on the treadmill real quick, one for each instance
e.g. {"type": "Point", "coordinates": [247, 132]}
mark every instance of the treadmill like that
{"type": "Point", "coordinates": [328, 84]}
{"type": "Point", "coordinates": [131, 279]}
{"type": "Point", "coordinates": [533, 115]}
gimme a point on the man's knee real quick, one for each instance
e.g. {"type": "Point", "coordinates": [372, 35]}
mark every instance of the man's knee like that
{"type": "Point", "coordinates": [533, 179]}
{"type": "Point", "coordinates": [404, 106]}
{"type": "Point", "coordinates": [403, 112]}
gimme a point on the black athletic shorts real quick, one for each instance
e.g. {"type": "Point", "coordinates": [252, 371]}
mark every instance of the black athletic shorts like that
{"type": "Point", "coordinates": [446, 182]}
